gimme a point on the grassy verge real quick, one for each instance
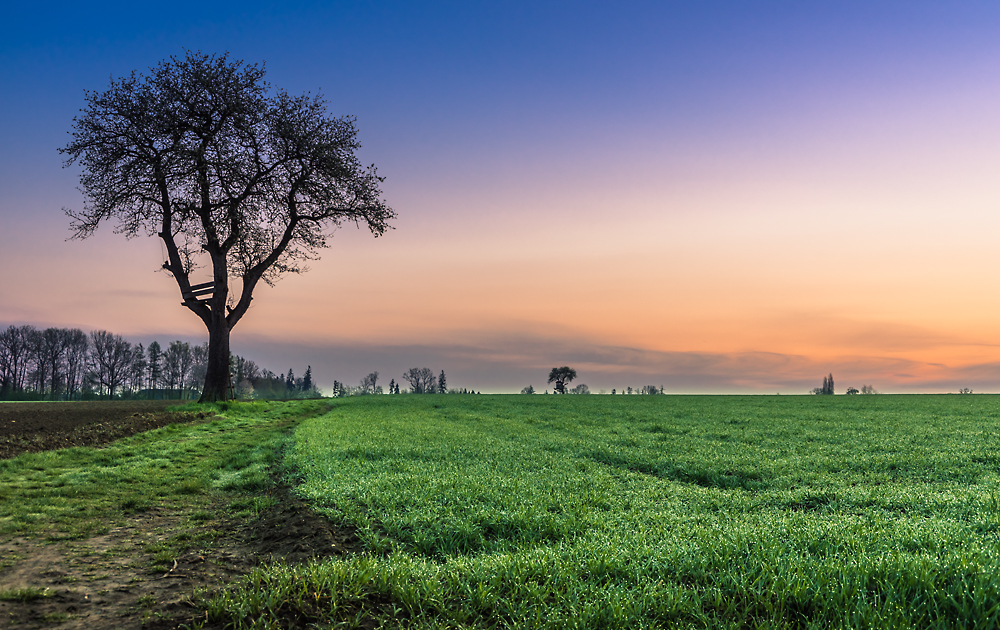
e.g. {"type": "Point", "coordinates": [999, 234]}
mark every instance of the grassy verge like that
{"type": "Point", "coordinates": [79, 492]}
{"type": "Point", "coordinates": [643, 512]}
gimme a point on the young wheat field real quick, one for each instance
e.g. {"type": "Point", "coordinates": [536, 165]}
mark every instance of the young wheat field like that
{"type": "Point", "coordinates": [645, 512]}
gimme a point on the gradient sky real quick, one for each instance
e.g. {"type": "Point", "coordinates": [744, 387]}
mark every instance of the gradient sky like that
{"type": "Point", "coordinates": [711, 196]}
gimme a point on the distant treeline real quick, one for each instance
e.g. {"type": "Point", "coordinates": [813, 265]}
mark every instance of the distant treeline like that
{"type": "Point", "coordinates": [421, 381]}
{"type": "Point", "coordinates": [69, 364]}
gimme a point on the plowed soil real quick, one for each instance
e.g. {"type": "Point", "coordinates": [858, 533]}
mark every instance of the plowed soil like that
{"type": "Point", "coordinates": [111, 581]}
{"type": "Point", "coordinates": [42, 426]}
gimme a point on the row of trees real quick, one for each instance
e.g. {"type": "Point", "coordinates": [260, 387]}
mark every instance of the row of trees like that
{"type": "Point", "coordinates": [420, 380]}
{"type": "Point", "coordinates": [69, 364]}
{"type": "Point", "coordinates": [827, 388]}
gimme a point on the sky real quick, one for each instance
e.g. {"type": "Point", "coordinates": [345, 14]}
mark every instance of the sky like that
{"type": "Point", "coordinates": [711, 197]}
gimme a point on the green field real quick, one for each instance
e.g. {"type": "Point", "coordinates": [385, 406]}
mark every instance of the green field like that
{"type": "Point", "coordinates": [652, 511]}
{"type": "Point", "coordinates": [573, 511]}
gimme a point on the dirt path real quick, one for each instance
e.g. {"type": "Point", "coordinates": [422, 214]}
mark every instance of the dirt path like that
{"type": "Point", "coordinates": [142, 573]}
{"type": "Point", "coordinates": [113, 581]}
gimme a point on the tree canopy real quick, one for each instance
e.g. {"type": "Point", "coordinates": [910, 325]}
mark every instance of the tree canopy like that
{"type": "Point", "coordinates": [230, 173]}
{"type": "Point", "coordinates": [560, 376]}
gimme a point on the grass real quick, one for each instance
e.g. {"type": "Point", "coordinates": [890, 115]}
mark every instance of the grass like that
{"type": "Point", "coordinates": [77, 492]}
{"type": "Point", "coordinates": [643, 512]}
{"type": "Point", "coordinates": [24, 595]}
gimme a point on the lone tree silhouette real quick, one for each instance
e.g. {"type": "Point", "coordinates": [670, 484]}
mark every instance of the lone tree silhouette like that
{"type": "Point", "coordinates": [560, 376]}
{"type": "Point", "coordinates": [203, 153]}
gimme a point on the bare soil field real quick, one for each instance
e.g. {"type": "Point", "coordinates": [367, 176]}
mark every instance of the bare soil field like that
{"type": "Point", "coordinates": [31, 427]}
{"type": "Point", "coordinates": [115, 580]}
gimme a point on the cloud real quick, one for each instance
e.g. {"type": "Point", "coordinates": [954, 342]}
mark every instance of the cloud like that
{"type": "Point", "coordinates": [506, 363]}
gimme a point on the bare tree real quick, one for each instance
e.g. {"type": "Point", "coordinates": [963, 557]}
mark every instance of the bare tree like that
{"type": "Point", "coordinates": [76, 360]}
{"type": "Point", "coordinates": [368, 384]}
{"type": "Point", "coordinates": [177, 362]}
{"type": "Point", "coordinates": [15, 357]}
{"type": "Point", "coordinates": [203, 153]}
{"type": "Point", "coordinates": [111, 357]}
{"type": "Point", "coordinates": [421, 380]}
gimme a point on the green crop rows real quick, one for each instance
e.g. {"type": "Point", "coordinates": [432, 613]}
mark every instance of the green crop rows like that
{"type": "Point", "coordinates": [658, 511]}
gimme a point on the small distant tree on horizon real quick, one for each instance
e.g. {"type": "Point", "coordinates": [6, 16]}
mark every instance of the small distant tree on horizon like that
{"type": "Point", "coordinates": [421, 380]}
{"type": "Point", "coordinates": [528, 390]}
{"type": "Point", "coordinates": [369, 384]}
{"type": "Point", "coordinates": [827, 388]}
{"type": "Point", "coordinates": [868, 390]}
{"type": "Point", "coordinates": [442, 384]}
{"type": "Point", "coordinates": [560, 376]}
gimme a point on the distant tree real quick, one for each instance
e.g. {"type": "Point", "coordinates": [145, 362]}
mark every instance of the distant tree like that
{"type": "Point", "coordinates": [137, 376]}
{"type": "Point", "coordinates": [154, 365]}
{"type": "Point", "coordinates": [629, 391]}
{"type": "Point", "coordinates": [290, 381]}
{"type": "Point", "coordinates": [54, 345]}
{"type": "Point", "coordinates": [177, 362]}
{"type": "Point", "coordinates": [421, 380]}
{"type": "Point", "coordinates": [76, 361]}
{"type": "Point", "coordinates": [442, 384]}
{"type": "Point", "coordinates": [827, 388]}
{"type": "Point", "coordinates": [203, 153]}
{"type": "Point", "coordinates": [612, 391]}
{"type": "Point", "coordinates": [851, 391]}
{"type": "Point", "coordinates": [368, 383]}
{"type": "Point", "coordinates": [307, 379]}
{"type": "Point", "coordinates": [965, 390]}
{"type": "Point", "coordinates": [111, 357]}
{"type": "Point", "coordinates": [868, 390]}
{"type": "Point", "coordinates": [650, 390]}
{"type": "Point", "coordinates": [580, 389]}
{"type": "Point", "coordinates": [392, 386]}
{"type": "Point", "coordinates": [528, 390]}
{"type": "Point", "coordinates": [15, 358]}
{"type": "Point", "coordinates": [561, 376]}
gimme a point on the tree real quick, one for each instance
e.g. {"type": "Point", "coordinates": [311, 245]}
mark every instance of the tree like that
{"type": "Point", "coordinates": [177, 362]}
{"type": "Point", "coordinates": [369, 383]}
{"type": "Point", "coordinates": [111, 357]}
{"type": "Point", "coordinates": [528, 390]}
{"type": "Point", "coordinates": [421, 380]}
{"type": "Point", "coordinates": [307, 379]}
{"type": "Point", "coordinates": [154, 358]}
{"type": "Point", "coordinates": [560, 376]}
{"type": "Point", "coordinates": [392, 386]}
{"type": "Point", "coordinates": [852, 391]}
{"type": "Point", "coordinates": [580, 389]}
{"type": "Point", "coordinates": [76, 360]}
{"type": "Point", "coordinates": [204, 154]}
{"type": "Point", "coordinates": [442, 384]}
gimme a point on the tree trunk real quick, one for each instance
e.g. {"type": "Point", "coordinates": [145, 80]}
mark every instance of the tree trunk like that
{"type": "Point", "coordinates": [217, 374]}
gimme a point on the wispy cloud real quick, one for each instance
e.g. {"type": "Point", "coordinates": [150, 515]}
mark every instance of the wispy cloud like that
{"type": "Point", "coordinates": [510, 362]}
